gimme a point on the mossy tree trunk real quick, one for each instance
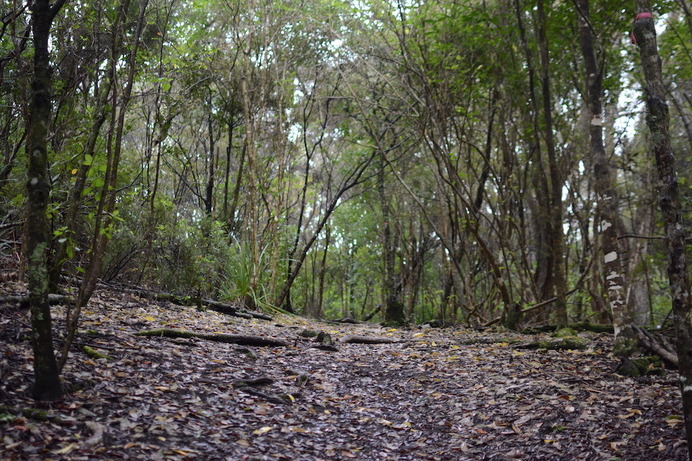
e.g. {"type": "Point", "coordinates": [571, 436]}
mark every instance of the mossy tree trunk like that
{"type": "Point", "coordinates": [669, 198]}
{"type": "Point", "coordinates": [46, 375]}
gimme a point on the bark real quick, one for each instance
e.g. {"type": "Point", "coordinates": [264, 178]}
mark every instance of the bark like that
{"type": "Point", "coordinates": [669, 197]}
{"type": "Point", "coordinates": [24, 302]}
{"type": "Point", "coordinates": [607, 200]}
{"type": "Point", "coordinates": [46, 372]}
{"type": "Point", "coordinates": [211, 176]}
{"type": "Point", "coordinates": [650, 342]}
{"type": "Point", "coordinates": [394, 307]}
{"type": "Point", "coordinates": [555, 250]}
{"type": "Point", "coordinates": [542, 209]}
{"type": "Point", "coordinates": [252, 203]}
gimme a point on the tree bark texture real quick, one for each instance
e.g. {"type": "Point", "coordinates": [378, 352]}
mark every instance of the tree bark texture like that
{"type": "Point", "coordinates": [394, 307]}
{"type": "Point", "coordinates": [558, 278]}
{"type": "Point", "coordinates": [657, 119]}
{"type": "Point", "coordinates": [46, 374]}
{"type": "Point", "coordinates": [607, 200]}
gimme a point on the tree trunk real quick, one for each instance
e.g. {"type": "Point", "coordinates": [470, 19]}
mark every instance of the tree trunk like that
{"type": "Point", "coordinates": [46, 372]}
{"type": "Point", "coordinates": [555, 235]}
{"type": "Point", "coordinates": [607, 200]}
{"type": "Point", "coordinates": [541, 209]}
{"type": "Point", "coordinates": [211, 171]}
{"type": "Point", "coordinates": [394, 307]}
{"type": "Point", "coordinates": [658, 121]}
{"type": "Point", "coordinates": [105, 215]}
{"type": "Point", "coordinates": [252, 201]}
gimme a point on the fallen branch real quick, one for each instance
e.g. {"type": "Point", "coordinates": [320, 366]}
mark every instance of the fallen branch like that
{"type": "Point", "coordinates": [663, 349]}
{"type": "Point", "coordinates": [577, 286]}
{"type": "Point", "coordinates": [243, 340]}
{"type": "Point", "coordinates": [353, 339]}
{"type": "Point", "coordinates": [23, 301]}
{"type": "Point", "coordinates": [263, 381]}
{"type": "Point", "coordinates": [281, 400]}
{"type": "Point", "coordinates": [217, 306]}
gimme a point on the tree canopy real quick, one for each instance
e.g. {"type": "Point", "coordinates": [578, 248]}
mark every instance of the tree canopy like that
{"type": "Point", "coordinates": [390, 160]}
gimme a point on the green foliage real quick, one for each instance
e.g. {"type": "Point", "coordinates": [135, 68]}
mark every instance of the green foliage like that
{"type": "Point", "coordinates": [330, 82]}
{"type": "Point", "coordinates": [237, 283]}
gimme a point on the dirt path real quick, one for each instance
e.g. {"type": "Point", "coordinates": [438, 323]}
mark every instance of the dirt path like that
{"type": "Point", "coordinates": [438, 395]}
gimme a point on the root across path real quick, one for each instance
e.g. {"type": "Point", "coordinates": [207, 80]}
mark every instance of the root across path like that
{"type": "Point", "coordinates": [409, 394]}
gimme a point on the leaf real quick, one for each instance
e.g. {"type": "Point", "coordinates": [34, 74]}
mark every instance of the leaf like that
{"type": "Point", "coordinates": [149, 318]}
{"type": "Point", "coordinates": [66, 449]}
{"type": "Point", "coordinates": [262, 430]}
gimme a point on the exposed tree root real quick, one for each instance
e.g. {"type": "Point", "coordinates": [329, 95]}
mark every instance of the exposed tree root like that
{"type": "Point", "coordinates": [353, 339]}
{"type": "Point", "coordinates": [243, 340]}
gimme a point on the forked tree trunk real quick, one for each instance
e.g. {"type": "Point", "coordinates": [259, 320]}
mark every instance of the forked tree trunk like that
{"type": "Point", "coordinates": [669, 196]}
{"type": "Point", "coordinates": [46, 373]}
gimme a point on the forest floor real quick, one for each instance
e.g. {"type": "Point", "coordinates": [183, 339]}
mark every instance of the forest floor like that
{"type": "Point", "coordinates": [438, 394]}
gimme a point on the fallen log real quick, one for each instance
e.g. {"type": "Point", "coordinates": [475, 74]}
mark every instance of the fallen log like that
{"type": "Point", "coordinates": [216, 306]}
{"type": "Point", "coordinates": [23, 301]}
{"type": "Point", "coordinates": [662, 348]}
{"type": "Point", "coordinates": [229, 309]}
{"type": "Point", "coordinates": [243, 340]}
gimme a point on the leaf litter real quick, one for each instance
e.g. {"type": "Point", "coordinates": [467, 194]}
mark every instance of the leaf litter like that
{"type": "Point", "coordinates": [429, 394]}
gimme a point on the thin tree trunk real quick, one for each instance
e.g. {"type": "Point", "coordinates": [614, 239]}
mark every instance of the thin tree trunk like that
{"type": "Point", "coordinates": [607, 200]}
{"type": "Point", "coordinates": [556, 239]}
{"type": "Point", "coordinates": [74, 198]}
{"type": "Point", "coordinates": [252, 202]}
{"type": "Point", "coordinates": [542, 277]}
{"type": "Point", "coordinates": [46, 371]}
{"type": "Point", "coordinates": [669, 195]}
{"type": "Point", "coordinates": [394, 307]}
{"type": "Point", "coordinates": [211, 172]}
{"type": "Point", "coordinates": [322, 273]}
{"type": "Point", "coordinates": [106, 206]}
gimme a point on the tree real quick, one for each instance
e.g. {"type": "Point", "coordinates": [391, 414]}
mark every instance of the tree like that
{"type": "Point", "coordinates": [46, 375]}
{"type": "Point", "coordinates": [658, 122]}
{"type": "Point", "coordinates": [606, 194]}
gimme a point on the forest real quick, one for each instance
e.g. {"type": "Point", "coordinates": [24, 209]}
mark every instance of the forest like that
{"type": "Point", "coordinates": [477, 164]}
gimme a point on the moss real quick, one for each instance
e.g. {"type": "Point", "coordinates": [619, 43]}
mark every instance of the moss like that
{"type": "Point", "coordinates": [91, 352]}
{"type": "Point", "coordinates": [559, 344]}
{"type": "Point", "coordinates": [624, 346]}
{"type": "Point", "coordinates": [165, 332]}
{"type": "Point", "coordinates": [35, 414]}
{"type": "Point", "coordinates": [593, 327]}
{"type": "Point", "coordinates": [565, 333]}
{"type": "Point", "coordinates": [308, 333]}
{"type": "Point", "coordinates": [640, 366]}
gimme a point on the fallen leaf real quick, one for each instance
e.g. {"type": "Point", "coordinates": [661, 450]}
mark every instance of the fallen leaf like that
{"type": "Point", "coordinates": [262, 430]}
